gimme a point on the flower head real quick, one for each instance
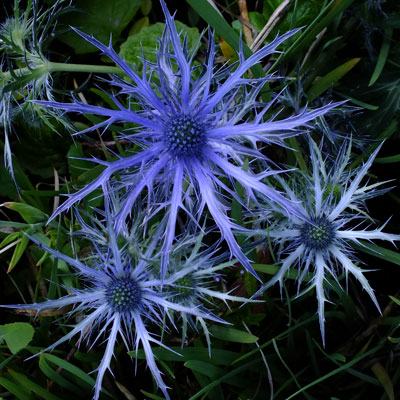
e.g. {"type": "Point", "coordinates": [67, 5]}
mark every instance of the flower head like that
{"type": "Point", "coordinates": [196, 275]}
{"type": "Point", "coordinates": [24, 72]}
{"type": "Point", "coordinates": [334, 201]}
{"type": "Point", "coordinates": [192, 143]}
{"type": "Point", "coordinates": [121, 296]}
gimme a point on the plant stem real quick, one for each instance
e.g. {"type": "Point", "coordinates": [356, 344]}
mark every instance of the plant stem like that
{"type": "Point", "coordinates": [49, 67]}
{"type": "Point", "coordinates": [100, 69]}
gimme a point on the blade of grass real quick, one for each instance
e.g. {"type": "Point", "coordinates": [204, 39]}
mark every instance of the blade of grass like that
{"type": "Point", "coordinates": [383, 55]}
{"type": "Point", "coordinates": [328, 80]}
{"type": "Point", "coordinates": [336, 371]}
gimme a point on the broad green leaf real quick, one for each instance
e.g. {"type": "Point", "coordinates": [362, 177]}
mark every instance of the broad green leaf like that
{"type": "Point", "coordinates": [218, 356]}
{"type": "Point", "coordinates": [46, 363]}
{"type": "Point", "coordinates": [204, 368]}
{"type": "Point", "coordinates": [101, 18]}
{"type": "Point", "coordinates": [67, 366]}
{"type": "Point", "coordinates": [145, 42]}
{"type": "Point", "coordinates": [16, 335]}
{"type": "Point", "coordinates": [56, 376]}
{"type": "Point", "coordinates": [11, 226]}
{"type": "Point", "coordinates": [33, 387]}
{"type": "Point", "coordinates": [30, 214]}
{"type": "Point", "coordinates": [383, 377]}
{"type": "Point", "coordinates": [232, 335]}
{"type": "Point", "coordinates": [327, 81]}
{"type": "Point", "coordinates": [17, 390]}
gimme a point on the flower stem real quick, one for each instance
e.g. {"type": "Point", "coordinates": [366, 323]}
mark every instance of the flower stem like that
{"type": "Point", "coordinates": [49, 67]}
{"type": "Point", "coordinates": [64, 67]}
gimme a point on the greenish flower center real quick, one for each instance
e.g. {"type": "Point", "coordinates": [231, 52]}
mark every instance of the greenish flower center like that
{"type": "Point", "coordinates": [124, 294]}
{"type": "Point", "coordinates": [318, 234]}
{"type": "Point", "coordinates": [184, 136]}
{"type": "Point", "coordinates": [184, 288]}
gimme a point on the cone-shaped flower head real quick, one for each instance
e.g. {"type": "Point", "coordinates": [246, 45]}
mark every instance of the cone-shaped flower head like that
{"type": "Point", "coordinates": [122, 296]}
{"type": "Point", "coordinates": [333, 199]}
{"type": "Point", "coordinates": [194, 134]}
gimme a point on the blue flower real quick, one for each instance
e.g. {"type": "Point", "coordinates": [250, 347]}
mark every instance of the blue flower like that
{"type": "Point", "coordinates": [333, 199]}
{"type": "Point", "coordinates": [121, 296]}
{"type": "Point", "coordinates": [193, 135]}
{"type": "Point", "coordinates": [195, 276]}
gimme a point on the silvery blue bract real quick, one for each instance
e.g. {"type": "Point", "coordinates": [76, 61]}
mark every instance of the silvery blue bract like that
{"type": "Point", "coordinates": [195, 127]}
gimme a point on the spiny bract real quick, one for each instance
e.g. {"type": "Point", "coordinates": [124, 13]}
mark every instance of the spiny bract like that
{"type": "Point", "coordinates": [194, 135]}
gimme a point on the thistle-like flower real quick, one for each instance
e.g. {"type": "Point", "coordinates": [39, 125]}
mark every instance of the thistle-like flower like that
{"type": "Point", "coordinates": [122, 296]}
{"type": "Point", "coordinates": [334, 201]}
{"type": "Point", "coordinates": [24, 69]}
{"type": "Point", "coordinates": [192, 143]}
{"type": "Point", "coordinates": [195, 275]}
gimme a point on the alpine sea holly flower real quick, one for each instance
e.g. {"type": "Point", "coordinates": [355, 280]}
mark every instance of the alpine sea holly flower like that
{"type": "Point", "coordinates": [24, 69]}
{"type": "Point", "coordinates": [333, 199]}
{"type": "Point", "coordinates": [195, 275]}
{"type": "Point", "coordinates": [121, 296]}
{"type": "Point", "coordinates": [194, 134]}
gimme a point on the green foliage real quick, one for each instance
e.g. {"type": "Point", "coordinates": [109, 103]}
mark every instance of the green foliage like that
{"type": "Point", "coordinates": [103, 19]}
{"type": "Point", "coordinates": [145, 42]}
{"type": "Point", "coordinates": [345, 50]}
{"type": "Point", "coordinates": [16, 335]}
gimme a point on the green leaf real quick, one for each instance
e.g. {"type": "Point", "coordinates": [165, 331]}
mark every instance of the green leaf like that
{"type": "Point", "coordinates": [271, 269]}
{"type": "Point", "coordinates": [213, 17]}
{"type": "Point", "coordinates": [218, 356]}
{"type": "Point", "coordinates": [336, 371]}
{"type": "Point", "coordinates": [151, 396]}
{"type": "Point", "coordinates": [388, 159]}
{"type": "Point", "coordinates": [327, 15]}
{"type": "Point", "coordinates": [67, 366]}
{"type": "Point", "coordinates": [30, 214]}
{"type": "Point", "coordinates": [18, 252]}
{"type": "Point", "coordinates": [16, 335]}
{"type": "Point", "coordinates": [395, 300]}
{"type": "Point", "coordinates": [56, 376]}
{"type": "Point", "coordinates": [33, 387]}
{"type": "Point", "coordinates": [383, 55]}
{"type": "Point", "coordinates": [12, 237]}
{"type": "Point", "coordinates": [76, 165]}
{"type": "Point", "coordinates": [46, 363]}
{"type": "Point", "coordinates": [222, 379]}
{"type": "Point", "coordinates": [100, 18]}
{"type": "Point", "coordinates": [15, 389]}
{"type": "Point", "coordinates": [145, 42]}
{"type": "Point", "coordinates": [327, 81]}
{"type": "Point", "coordinates": [204, 368]}
{"type": "Point", "coordinates": [379, 252]}
{"type": "Point", "coordinates": [380, 372]}
{"type": "Point", "coordinates": [232, 335]}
